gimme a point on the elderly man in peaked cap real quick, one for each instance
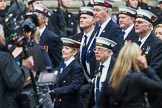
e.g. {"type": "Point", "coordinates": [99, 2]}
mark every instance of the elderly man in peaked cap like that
{"type": "Point", "coordinates": [50, 25]}
{"type": "Point", "coordinates": [48, 39]}
{"type": "Point", "coordinates": [108, 29]}
{"type": "Point", "coordinates": [103, 53]}
{"type": "Point", "coordinates": [151, 47]}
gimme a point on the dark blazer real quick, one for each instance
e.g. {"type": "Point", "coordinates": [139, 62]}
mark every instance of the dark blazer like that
{"type": "Point", "coordinates": [152, 49]}
{"type": "Point", "coordinates": [91, 102]}
{"type": "Point", "coordinates": [132, 35]}
{"type": "Point", "coordinates": [132, 90]}
{"type": "Point", "coordinates": [68, 85]}
{"type": "Point", "coordinates": [113, 32]}
{"type": "Point", "coordinates": [54, 44]}
{"type": "Point", "coordinates": [93, 63]}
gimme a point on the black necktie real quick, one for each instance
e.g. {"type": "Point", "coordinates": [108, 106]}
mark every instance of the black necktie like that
{"type": "Point", "coordinates": [85, 40]}
{"type": "Point", "coordinates": [139, 43]}
{"type": "Point", "coordinates": [98, 84]}
{"type": "Point", "coordinates": [123, 32]}
{"type": "Point", "coordinates": [84, 45]}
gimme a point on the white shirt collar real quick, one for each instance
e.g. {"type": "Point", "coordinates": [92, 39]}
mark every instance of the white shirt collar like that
{"type": "Point", "coordinates": [69, 61]}
{"type": "Point", "coordinates": [88, 35]}
{"type": "Point", "coordinates": [103, 26]}
{"type": "Point", "coordinates": [126, 32]}
{"type": "Point", "coordinates": [144, 39]}
{"type": "Point", "coordinates": [104, 72]}
{"type": "Point", "coordinates": [41, 30]}
{"type": "Point", "coordinates": [107, 62]}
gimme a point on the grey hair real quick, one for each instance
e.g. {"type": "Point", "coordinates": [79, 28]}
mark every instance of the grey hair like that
{"type": "Point", "coordinates": [150, 24]}
{"type": "Point", "coordinates": [110, 10]}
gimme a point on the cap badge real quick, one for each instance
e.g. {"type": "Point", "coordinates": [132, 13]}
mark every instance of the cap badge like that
{"type": "Point", "coordinates": [84, 11]}
{"type": "Point", "coordinates": [99, 44]}
{"type": "Point", "coordinates": [96, 3]}
{"type": "Point", "coordinates": [123, 12]}
{"type": "Point", "coordinates": [140, 15]}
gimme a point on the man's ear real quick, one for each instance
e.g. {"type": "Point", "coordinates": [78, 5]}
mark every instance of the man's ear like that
{"type": "Point", "coordinates": [150, 25]}
{"type": "Point", "coordinates": [110, 52]}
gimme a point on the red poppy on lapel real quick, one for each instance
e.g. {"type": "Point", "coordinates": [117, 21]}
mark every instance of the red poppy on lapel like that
{"type": "Point", "coordinates": [45, 47]}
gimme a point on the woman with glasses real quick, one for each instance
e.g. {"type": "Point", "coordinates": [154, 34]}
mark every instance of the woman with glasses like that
{"type": "Point", "coordinates": [130, 79]}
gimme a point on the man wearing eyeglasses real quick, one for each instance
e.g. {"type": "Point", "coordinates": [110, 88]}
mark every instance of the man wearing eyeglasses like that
{"type": "Point", "coordinates": [151, 47]}
{"type": "Point", "coordinates": [103, 52]}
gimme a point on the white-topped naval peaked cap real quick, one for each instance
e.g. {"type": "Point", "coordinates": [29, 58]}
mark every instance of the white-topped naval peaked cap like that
{"type": "Point", "coordinates": [42, 9]}
{"type": "Point", "coordinates": [127, 10]}
{"type": "Point", "coordinates": [86, 10]}
{"type": "Point", "coordinates": [70, 42]}
{"type": "Point", "coordinates": [104, 42]}
{"type": "Point", "coordinates": [147, 15]}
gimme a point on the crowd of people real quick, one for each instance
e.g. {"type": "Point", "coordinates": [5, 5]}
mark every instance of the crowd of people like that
{"type": "Point", "coordinates": [113, 61]}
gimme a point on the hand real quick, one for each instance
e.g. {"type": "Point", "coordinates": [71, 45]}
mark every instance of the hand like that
{"type": "Point", "coordinates": [29, 62]}
{"type": "Point", "coordinates": [52, 93]}
{"type": "Point", "coordinates": [141, 61]}
{"type": "Point", "coordinates": [28, 80]}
